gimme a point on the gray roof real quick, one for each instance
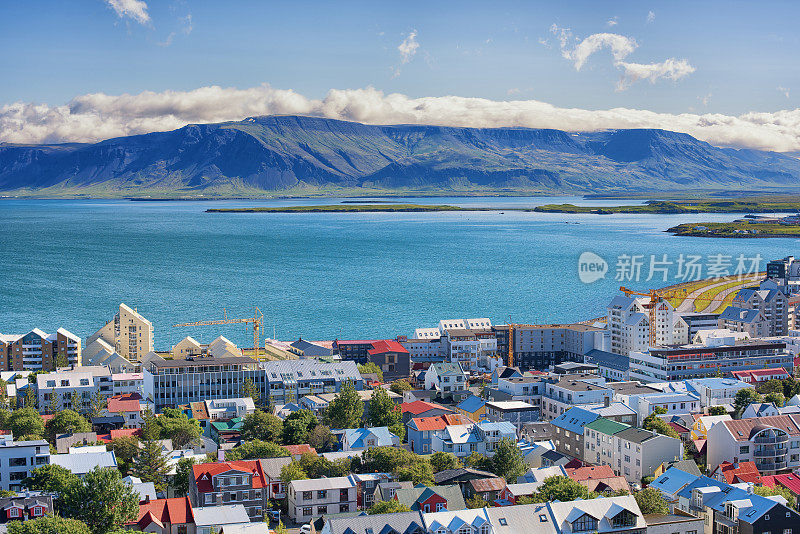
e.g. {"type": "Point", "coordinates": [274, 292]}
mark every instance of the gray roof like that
{"type": "Point", "coordinates": [636, 435]}
{"type": "Point", "coordinates": [80, 463]}
{"type": "Point", "coordinates": [204, 360]}
{"type": "Point", "coordinates": [522, 519]}
{"type": "Point", "coordinates": [742, 315]}
{"type": "Point", "coordinates": [410, 496]}
{"type": "Point", "coordinates": [322, 484]}
{"type": "Point", "coordinates": [215, 516]}
{"type": "Point", "coordinates": [631, 388]}
{"type": "Point", "coordinates": [451, 474]}
{"type": "Point", "coordinates": [602, 358]}
{"type": "Point", "coordinates": [578, 385]}
{"type": "Point", "coordinates": [403, 522]}
{"type": "Point", "coordinates": [272, 466]}
{"type": "Point", "coordinates": [308, 369]}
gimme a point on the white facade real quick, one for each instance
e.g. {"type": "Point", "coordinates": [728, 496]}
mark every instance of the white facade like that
{"type": "Point", "coordinates": [126, 383]}
{"type": "Point", "coordinates": [308, 499]}
{"type": "Point", "coordinates": [773, 443]}
{"type": "Point", "coordinates": [56, 389]}
{"type": "Point", "coordinates": [559, 397]}
{"type": "Point", "coordinates": [445, 377]}
{"type": "Point", "coordinates": [18, 459]}
{"type": "Point", "coordinates": [463, 440]}
{"type": "Point", "coordinates": [226, 409]}
{"type": "Point", "coordinates": [128, 332]}
{"type": "Point", "coordinates": [628, 322]}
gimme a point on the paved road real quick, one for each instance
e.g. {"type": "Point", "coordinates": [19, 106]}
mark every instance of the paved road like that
{"type": "Point", "coordinates": [688, 304]}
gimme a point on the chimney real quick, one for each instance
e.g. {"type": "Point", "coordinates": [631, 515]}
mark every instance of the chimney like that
{"type": "Point", "coordinates": [606, 401]}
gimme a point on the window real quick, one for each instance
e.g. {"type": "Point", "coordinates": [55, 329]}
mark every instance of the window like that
{"type": "Point", "coordinates": [787, 531]}
{"type": "Point", "coordinates": [14, 512]}
{"type": "Point", "coordinates": [307, 496]}
{"type": "Point", "coordinates": [344, 508]}
{"type": "Point", "coordinates": [744, 449]}
{"type": "Point", "coordinates": [503, 521]}
{"type": "Point", "coordinates": [321, 494]}
{"type": "Point", "coordinates": [307, 511]}
{"type": "Point", "coordinates": [440, 507]}
{"type": "Point", "coordinates": [584, 523]}
{"type": "Point", "coordinates": [322, 510]}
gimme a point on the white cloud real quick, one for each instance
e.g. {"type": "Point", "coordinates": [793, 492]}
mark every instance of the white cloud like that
{"type": "Point", "coordinates": [613, 21]}
{"type": "Point", "coordinates": [621, 47]}
{"type": "Point", "coordinates": [706, 99]}
{"type": "Point", "coordinates": [93, 117]}
{"type": "Point", "coordinates": [408, 47]}
{"type": "Point", "coordinates": [134, 9]}
{"type": "Point", "coordinates": [651, 16]}
{"type": "Point", "coordinates": [784, 90]}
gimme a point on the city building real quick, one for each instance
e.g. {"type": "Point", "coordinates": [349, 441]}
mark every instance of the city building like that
{"type": "Point", "coordinates": [28, 505]}
{"type": "Point", "coordinates": [629, 326]}
{"type": "Point", "coordinates": [81, 460]}
{"type": "Point", "coordinates": [573, 390]}
{"type": "Point", "coordinates": [472, 407]}
{"type": "Point", "coordinates": [515, 412]}
{"type": "Point", "coordinates": [755, 376]}
{"type": "Point", "coordinates": [431, 498]}
{"type": "Point", "coordinates": [311, 349]}
{"type": "Point", "coordinates": [446, 378]}
{"type": "Point", "coordinates": [785, 272]}
{"type": "Point", "coordinates": [225, 483]}
{"type": "Point", "coordinates": [748, 321]}
{"type": "Point", "coordinates": [226, 409]}
{"type": "Point", "coordinates": [391, 358]}
{"type": "Point", "coordinates": [125, 383]}
{"type": "Point", "coordinates": [620, 515]}
{"type": "Point", "coordinates": [39, 351]}
{"type": "Point", "coordinates": [568, 431]}
{"type": "Point", "coordinates": [542, 346]}
{"type": "Point", "coordinates": [463, 440]}
{"type": "Point", "coordinates": [290, 380]}
{"type": "Point", "coordinates": [423, 349]}
{"type": "Point", "coordinates": [704, 423]}
{"type": "Point", "coordinates": [771, 304]}
{"type": "Point", "coordinates": [129, 333]}
{"type": "Point", "coordinates": [165, 516]}
{"type": "Point", "coordinates": [419, 429]}
{"type": "Point", "coordinates": [57, 390]}
{"type": "Point", "coordinates": [773, 443]}
{"type": "Point", "coordinates": [312, 498]}
{"type": "Point", "coordinates": [129, 406]}
{"type": "Point", "coordinates": [697, 321]}
{"type": "Point", "coordinates": [361, 439]}
{"type": "Point", "coordinates": [609, 365]}
{"type": "Point", "coordinates": [18, 459]}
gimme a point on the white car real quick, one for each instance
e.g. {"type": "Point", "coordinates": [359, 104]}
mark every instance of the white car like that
{"type": "Point", "coordinates": [305, 529]}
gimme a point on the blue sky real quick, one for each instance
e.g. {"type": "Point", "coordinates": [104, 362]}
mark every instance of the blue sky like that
{"type": "Point", "coordinates": [730, 58]}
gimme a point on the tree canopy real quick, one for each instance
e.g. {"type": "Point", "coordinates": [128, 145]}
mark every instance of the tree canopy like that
{"type": "Point", "coordinates": [370, 368]}
{"type": "Point", "coordinates": [419, 472]}
{"type": "Point", "coordinates": [384, 412]}
{"type": "Point", "coordinates": [775, 398]}
{"type": "Point", "coordinates": [251, 450]}
{"type": "Point", "coordinates": [150, 464]}
{"type": "Point", "coordinates": [51, 479]}
{"type": "Point", "coordinates": [508, 461]}
{"type": "Point", "coordinates": [399, 386]}
{"type": "Point", "coordinates": [322, 439]}
{"type": "Point", "coordinates": [175, 425]}
{"type": "Point", "coordinates": [48, 525]}
{"type": "Point", "coordinates": [651, 501]}
{"type": "Point", "coordinates": [655, 424]}
{"type": "Point", "coordinates": [66, 422]}
{"type": "Point", "coordinates": [744, 398]}
{"type": "Point", "coordinates": [262, 425]}
{"type": "Point", "coordinates": [441, 461]}
{"type": "Point", "coordinates": [717, 410]}
{"type": "Point", "coordinates": [26, 422]}
{"type": "Point", "coordinates": [101, 500]}
{"type": "Point", "coordinates": [346, 409]}
{"type": "Point", "coordinates": [560, 488]}
{"type": "Point", "coordinates": [388, 507]}
{"type": "Point", "coordinates": [297, 426]}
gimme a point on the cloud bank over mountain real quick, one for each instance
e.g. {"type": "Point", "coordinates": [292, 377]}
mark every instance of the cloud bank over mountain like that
{"type": "Point", "coordinates": [98, 116]}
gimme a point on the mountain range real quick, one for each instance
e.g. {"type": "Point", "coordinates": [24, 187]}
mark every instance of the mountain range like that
{"type": "Point", "coordinates": [294, 155]}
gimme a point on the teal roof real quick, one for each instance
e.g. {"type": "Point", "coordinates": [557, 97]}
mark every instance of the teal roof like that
{"type": "Point", "coordinates": [607, 426]}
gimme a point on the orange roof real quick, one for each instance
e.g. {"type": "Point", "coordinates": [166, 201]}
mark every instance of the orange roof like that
{"type": "Point", "coordinates": [439, 422]}
{"type": "Point", "coordinates": [417, 407]}
{"type": "Point", "coordinates": [298, 450]}
{"type": "Point", "coordinates": [119, 433]}
{"type": "Point", "coordinates": [204, 472]}
{"type": "Point", "coordinates": [488, 484]}
{"type": "Point", "coordinates": [177, 510]}
{"type": "Point", "coordinates": [743, 472]}
{"type": "Point", "coordinates": [128, 402]}
{"type": "Point", "coordinates": [590, 472]}
{"type": "Point", "coordinates": [741, 429]}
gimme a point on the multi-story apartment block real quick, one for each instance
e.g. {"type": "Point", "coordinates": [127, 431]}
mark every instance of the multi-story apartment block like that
{"type": "Point", "coordinates": [717, 356]}
{"type": "Point", "coordinates": [128, 332]}
{"type": "Point", "coordinates": [317, 497]}
{"type": "Point", "coordinates": [354, 350]}
{"type": "Point", "coordinates": [18, 459]}
{"type": "Point", "coordinates": [463, 440]}
{"type": "Point", "coordinates": [573, 390]}
{"type": "Point", "coordinates": [525, 388]}
{"type": "Point", "coordinates": [225, 483]}
{"type": "Point", "coordinates": [56, 390]}
{"type": "Point", "coordinates": [39, 351]}
{"type": "Point", "coordinates": [446, 377]}
{"type": "Point", "coordinates": [172, 382]}
{"type": "Point", "coordinates": [632, 452]}
{"type": "Point", "coordinates": [542, 346]}
{"type": "Point", "coordinates": [629, 325]}
{"type": "Point", "coordinates": [697, 321]}
{"type": "Point", "coordinates": [289, 380]}
{"type": "Point", "coordinates": [750, 322]}
{"type": "Point", "coordinates": [392, 358]}
{"type": "Point", "coordinates": [609, 365]}
{"type": "Point", "coordinates": [669, 403]}
{"type": "Point", "coordinates": [125, 383]}
{"type": "Point", "coordinates": [568, 431]}
{"type": "Point", "coordinates": [773, 443]}
{"type": "Point", "coordinates": [515, 412]}
{"type": "Point", "coordinates": [770, 303]}
{"type": "Point", "coordinates": [423, 349]}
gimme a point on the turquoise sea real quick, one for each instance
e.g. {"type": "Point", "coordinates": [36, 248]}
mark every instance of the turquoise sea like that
{"type": "Point", "coordinates": [321, 276]}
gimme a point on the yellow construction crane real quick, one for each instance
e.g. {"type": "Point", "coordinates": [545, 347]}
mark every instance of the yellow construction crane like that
{"type": "Point", "coordinates": [511, 327]}
{"type": "Point", "coordinates": [257, 320]}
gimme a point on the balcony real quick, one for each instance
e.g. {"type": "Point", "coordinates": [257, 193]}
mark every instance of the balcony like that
{"type": "Point", "coordinates": [771, 466]}
{"type": "Point", "coordinates": [769, 453]}
{"type": "Point", "coordinates": [771, 439]}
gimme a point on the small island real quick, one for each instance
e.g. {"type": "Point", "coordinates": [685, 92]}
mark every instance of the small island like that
{"type": "Point", "coordinates": [349, 208]}
{"type": "Point", "coordinates": [751, 226]}
{"type": "Point", "coordinates": [683, 206]}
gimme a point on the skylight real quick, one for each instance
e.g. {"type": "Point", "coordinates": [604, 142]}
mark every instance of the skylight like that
{"type": "Point", "coordinates": [503, 521]}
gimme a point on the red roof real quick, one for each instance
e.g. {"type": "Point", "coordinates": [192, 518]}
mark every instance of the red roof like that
{"type": "Point", "coordinates": [298, 450]}
{"type": "Point", "coordinates": [760, 372]}
{"type": "Point", "coordinates": [590, 472]}
{"type": "Point", "coordinates": [387, 345]}
{"type": "Point", "coordinates": [177, 510]}
{"type": "Point", "coordinates": [790, 481]}
{"type": "Point", "coordinates": [204, 472]}
{"type": "Point", "coordinates": [119, 433]}
{"type": "Point", "coordinates": [418, 406]}
{"type": "Point", "coordinates": [680, 429]}
{"type": "Point", "coordinates": [128, 402]}
{"type": "Point", "coordinates": [743, 472]}
{"type": "Point", "coordinates": [439, 422]}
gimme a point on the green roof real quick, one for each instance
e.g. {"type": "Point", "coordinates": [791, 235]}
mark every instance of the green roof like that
{"type": "Point", "coordinates": [606, 426]}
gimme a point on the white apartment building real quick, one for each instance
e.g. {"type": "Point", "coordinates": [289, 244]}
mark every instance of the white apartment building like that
{"type": "Point", "coordinates": [573, 390]}
{"type": "Point", "coordinates": [56, 389]}
{"type": "Point", "coordinates": [446, 377]}
{"type": "Point", "coordinates": [227, 409]}
{"type": "Point", "coordinates": [771, 304]}
{"type": "Point", "coordinates": [308, 499]}
{"type": "Point", "coordinates": [424, 349]}
{"type": "Point", "coordinates": [128, 332]}
{"type": "Point", "coordinates": [463, 440]}
{"type": "Point", "coordinates": [126, 383]}
{"type": "Point", "coordinates": [673, 403]}
{"type": "Point", "coordinates": [629, 325]}
{"type": "Point", "coordinates": [773, 443]}
{"type": "Point", "coordinates": [18, 459]}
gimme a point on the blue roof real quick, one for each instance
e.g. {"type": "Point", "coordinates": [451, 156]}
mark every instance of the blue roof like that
{"type": "Point", "coordinates": [673, 480]}
{"type": "Point", "coordinates": [503, 426]}
{"type": "Point", "coordinates": [734, 313]}
{"type": "Point", "coordinates": [356, 436]}
{"type": "Point", "coordinates": [608, 359]}
{"type": "Point", "coordinates": [714, 383]}
{"type": "Point", "coordinates": [574, 419]}
{"type": "Point", "coordinates": [471, 404]}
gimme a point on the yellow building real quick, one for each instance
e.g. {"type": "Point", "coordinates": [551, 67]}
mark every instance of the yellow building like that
{"type": "Point", "coordinates": [473, 407]}
{"type": "Point", "coordinates": [704, 423]}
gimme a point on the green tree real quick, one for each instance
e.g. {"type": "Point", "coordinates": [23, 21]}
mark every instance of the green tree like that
{"type": "Point", "coordinates": [386, 459]}
{"type": "Point", "coordinates": [151, 465]}
{"type": "Point", "coordinates": [744, 398]}
{"type": "Point", "coordinates": [322, 439]}
{"type": "Point", "coordinates": [125, 448]}
{"type": "Point", "coordinates": [388, 507]}
{"type": "Point", "coordinates": [400, 386]}
{"type": "Point", "coordinates": [508, 461]}
{"type": "Point", "coordinates": [441, 461]}
{"type": "Point", "coordinates": [477, 460]}
{"type": "Point", "coordinates": [419, 472]}
{"type": "Point", "coordinates": [184, 473]}
{"type": "Point", "coordinates": [791, 387]}
{"type": "Point", "coordinates": [775, 398]}
{"type": "Point", "coordinates": [75, 401]}
{"type": "Point", "coordinates": [655, 424]}
{"type": "Point", "coordinates": [297, 426]}
{"type": "Point", "coordinates": [102, 500]}
{"type": "Point", "coordinates": [262, 425]}
{"type": "Point", "coordinates": [292, 471]}
{"type": "Point", "coordinates": [30, 398]}
{"type": "Point", "coordinates": [175, 425]}
{"type": "Point", "coordinates": [51, 479]}
{"type": "Point", "coordinates": [97, 405]}
{"type": "Point", "coordinates": [717, 410]}
{"type": "Point", "coordinates": [66, 422]}
{"type": "Point", "coordinates": [251, 450]}
{"type": "Point", "coordinates": [26, 422]}
{"type": "Point", "coordinates": [48, 525]}
{"type": "Point", "coordinates": [651, 501]}
{"type": "Point", "coordinates": [384, 412]}
{"type": "Point", "coordinates": [52, 404]}
{"type": "Point", "coordinates": [770, 386]}
{"type": "Point", "coordinates": [346, 409]}
{"type": "Point", "coordinates": [476, 501]}
{"type": "Point", "coordinates": [249, 389]}
{"type": "Point", "coordinates": [765, 491]}
{"type": "Point", "coordinates": [370, 368]}
{"type": "Point", "coordinates": [560, 488]}
{"type": "Point", "coordinates": [281, 528]}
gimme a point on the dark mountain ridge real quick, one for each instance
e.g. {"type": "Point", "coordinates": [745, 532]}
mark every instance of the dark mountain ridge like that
{"type": "Point", "coordinates": [297, 153]}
